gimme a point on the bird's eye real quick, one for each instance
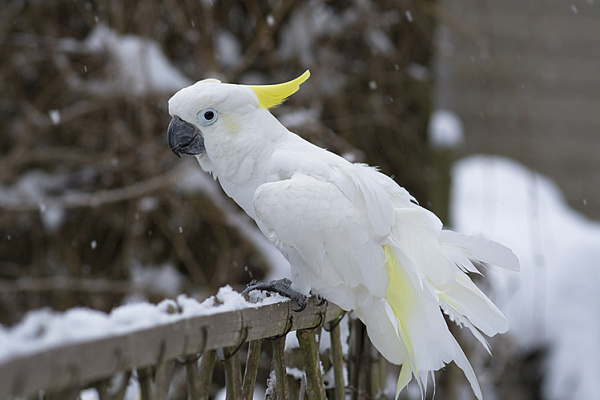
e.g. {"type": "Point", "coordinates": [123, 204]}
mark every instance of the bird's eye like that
{"type": "Point", "coordinates": [207, 117]}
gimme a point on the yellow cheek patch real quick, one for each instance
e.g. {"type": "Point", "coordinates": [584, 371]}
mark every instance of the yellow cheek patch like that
{"type": "Point", "coordinates": [231, 123]}
{"type": "Point", "coordinates": [270, 96]}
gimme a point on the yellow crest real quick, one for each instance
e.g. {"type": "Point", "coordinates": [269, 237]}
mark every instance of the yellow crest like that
{"type": "Point", "coordinates": [270, 96]}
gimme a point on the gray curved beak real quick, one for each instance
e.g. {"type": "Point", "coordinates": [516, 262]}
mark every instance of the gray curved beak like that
{"type": "Point", "coordinates": [184, 138]}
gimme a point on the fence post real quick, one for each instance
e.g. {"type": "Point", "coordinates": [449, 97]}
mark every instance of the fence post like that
{"type": "Point", "coordinates": [252, 362]}
{"type": "Point", "coordinates": [145, 379]}
{"type": "Point", "coordinates": [337, 359]}
{"type": "Point", "coordinates": [233, 374]}
{"type": "Point", "coordinates": [66, 394]}
{"type": "Point", "coordinates": [281, 390]}
{"type": "Point", "coordinates": [312, 364]}
{"type": "Point", "coordinates": [378, 372]}
{"type": "Point", "coordinates": [102, 389]}
{"type": "Point", "coordinates": [207, 366]}
{"type": "Point", "coordinates": [161, 381]}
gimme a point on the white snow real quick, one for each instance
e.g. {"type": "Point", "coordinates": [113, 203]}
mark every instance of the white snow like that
{"type": "Point", "coordinates": [137, 66]}
{"type": "Point", "coordinates": [554, 301]}
{"type": "Point", "coordinates": [44, 329]}
{"type": "Point", "coordinates": [445, 130]}
{"type": "Point", "coordinates": [52, 217]}
{"type": "Point", "coordinates": [164, 279]}
{"type": "Point", "coordinates": [147, 204]}
{"type": "Point", "coordinates": [132, 392]}
{"type": "Point", "coordinates": [296, 373]}
{"type": "Point", "coordinates": [228, 49]}
{"type": "Point", "coordinates": [380, 42]}
{"type": "Point", "coordinates": [271, 383]}
{"type": "Point", "coordinates": [299, 118]}
{"type": "Point", "coordinates": [418, 72]}
{"type": "Point", "coordinates": [54, 116]}
{"type": "Point", "coordinates": [34, 186]}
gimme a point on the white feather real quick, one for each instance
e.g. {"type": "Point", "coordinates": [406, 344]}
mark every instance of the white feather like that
{"type": "Point", "coordinates": [478, 249]}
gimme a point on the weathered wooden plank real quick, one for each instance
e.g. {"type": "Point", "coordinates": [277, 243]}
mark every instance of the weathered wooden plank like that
{"type": "Point", "coordinates": [77, 364]}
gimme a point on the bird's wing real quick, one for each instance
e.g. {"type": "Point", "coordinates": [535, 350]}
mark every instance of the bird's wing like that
{"type": "Point", "coordinates": [316, 225]}
{"type": "Point", "coordinates": [378, 194]}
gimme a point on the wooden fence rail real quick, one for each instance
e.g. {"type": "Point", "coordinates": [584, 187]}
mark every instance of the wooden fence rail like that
{"type": "Point", "coordinates": [196, 342]}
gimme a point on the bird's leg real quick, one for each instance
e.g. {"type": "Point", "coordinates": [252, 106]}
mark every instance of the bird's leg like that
{"type": "Point", "coordinates": [281, 286]}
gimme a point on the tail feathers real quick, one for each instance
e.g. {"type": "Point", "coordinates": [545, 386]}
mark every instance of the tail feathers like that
{"type": "Point", "coordinates": [414, 305]}
{"type": "Point", "coordinates": [422, 341]}
{"type": "Point", "coordinates": [460, 359]}
{"type": "Point", "coordinates": [465, 299]}
{"type": "Point", "coordinates": [456, 317]}
{"type": "Point", "coordinates": [465, 250]}
{"type": "Point", "coordinates": [422, 378]}
{"type": "Point", "coordinates": [406, 373]}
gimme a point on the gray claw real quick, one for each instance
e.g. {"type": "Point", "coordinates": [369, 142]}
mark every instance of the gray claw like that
{"type": "Point", "coordinates": [281, 286]}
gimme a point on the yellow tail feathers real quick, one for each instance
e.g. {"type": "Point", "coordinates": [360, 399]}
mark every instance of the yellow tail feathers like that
{"type": "Point", "coordinates": [398, 294]}
{"type": "Point", "coordinates": [270, 96]}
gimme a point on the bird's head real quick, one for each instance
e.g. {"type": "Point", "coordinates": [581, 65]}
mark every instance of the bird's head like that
{"type": "Point", "coordinates": [210, 111]}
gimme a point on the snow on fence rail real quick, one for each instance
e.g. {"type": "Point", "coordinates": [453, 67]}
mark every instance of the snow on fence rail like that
{"type": "Point", "coordinates": [180, 330]}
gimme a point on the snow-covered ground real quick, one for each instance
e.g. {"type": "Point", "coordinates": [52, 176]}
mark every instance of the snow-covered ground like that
{"type": "Point", "coordinates": [554, 301]}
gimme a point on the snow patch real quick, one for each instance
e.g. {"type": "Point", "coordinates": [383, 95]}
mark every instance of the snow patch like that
{"type": "Point", "coordinates": [445, 130]}
{"type": "Point", "coordinates": [299, 118]}
{"type": "Point", "coordinates": [54, 116]}
{"type": "Point", "coordinates": [136, 65]}
{"type": "Point", "coordinates": [418, 72]}
{"type": "Point", "coordinates": [228, 49]}
{"type": "Point", "coordinates": [164, 280]}
{"type": "Point", "coordinates": [44, 329]}
{"type": "Point", "coordinates": [554, 301]}
{"type": "Point", "coordinates": [380, 42]}
{"type": "Point", "coordinates": [34, 186]}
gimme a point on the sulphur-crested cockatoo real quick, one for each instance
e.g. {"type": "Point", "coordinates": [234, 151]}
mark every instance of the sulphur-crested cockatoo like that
{"type": "Point", "coordinates": [351, 234]}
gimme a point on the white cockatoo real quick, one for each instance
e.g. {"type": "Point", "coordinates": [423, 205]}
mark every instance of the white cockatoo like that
{"type": "Point", "coordinates": [351, 234]}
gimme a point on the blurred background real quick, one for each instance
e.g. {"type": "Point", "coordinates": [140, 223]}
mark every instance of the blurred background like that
{"type": "Point", "coordinates": [96, 211]}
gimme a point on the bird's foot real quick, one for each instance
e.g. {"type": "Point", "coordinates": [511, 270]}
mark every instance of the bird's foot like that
{"type": "Point", "coordinates": [322, 300]}
{"type": "Point", "coordinates": [281, 286]}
